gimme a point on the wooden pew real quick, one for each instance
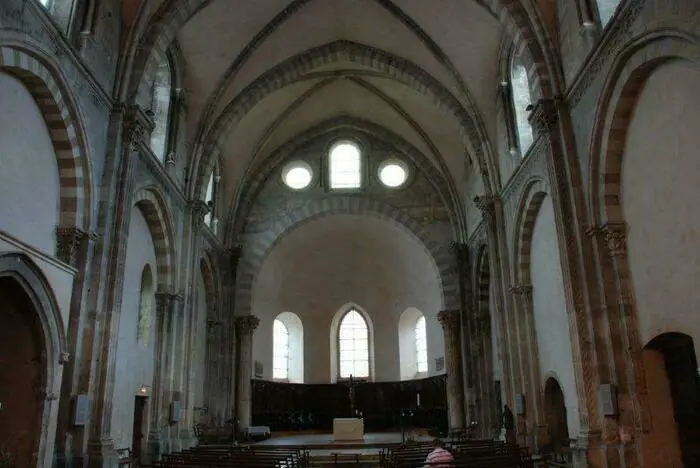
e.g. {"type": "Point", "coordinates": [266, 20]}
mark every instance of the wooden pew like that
{"type": "Point", "coordinates": [244, 457]}
{"type": "Point", "coordinates": [466, 453]}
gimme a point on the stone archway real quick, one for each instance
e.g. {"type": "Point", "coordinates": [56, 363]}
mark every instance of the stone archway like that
{"type": "Point", "coordinates": [32, 349]}
{"type": "Point", "coordinates": [555, 417]}
{"type": "Point", "coordinates": [22, 361]}
{"type": "Point", "coordinates": [683, 401]}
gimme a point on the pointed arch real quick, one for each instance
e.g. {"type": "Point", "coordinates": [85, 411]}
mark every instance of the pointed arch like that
{"type": "Point", "coordinates": [353, 316]}
{"type": "Point", "coordinates": [57, 105]}
{"type": "Point", "coordinates": [154, 208]}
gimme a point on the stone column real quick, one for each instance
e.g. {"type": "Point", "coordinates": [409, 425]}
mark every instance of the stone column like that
{"type": "Point", "coordinates": [449, 319]}
{"type": "Point", "coordinates": [245, 327]}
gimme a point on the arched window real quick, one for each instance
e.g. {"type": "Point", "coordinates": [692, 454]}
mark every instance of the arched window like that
{"type": "Point", "coordinates": [146, 300]}
{"type": "Point", "coordinates": [413, 344]}
{"type": "Point", "coordinates": [288, 348]}
{"type": "Point", "coordinates": [353, 346]}
{"type": "Point", "coordinates": [421, 345]}
{"type": "Point", "coordinates": [210, 197]}
{"type": "Point", "coordinates": [520, 95]}
{"type": "Point", "coordinates": [280, 350]}
{"type": "Point", "coordinates": [606, 10]}
{"type": "Point", "coordinates": [345, 166]}
{"type": "Point", "coordinates": [45, 3]}
{"type": "Point", "coordinates": [161, 99]}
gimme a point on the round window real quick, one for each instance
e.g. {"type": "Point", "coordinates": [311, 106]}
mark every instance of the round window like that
{"type": "Point", "coordinates": [393, 173]}
{"type": "Point", "coordinates": [297, 175]}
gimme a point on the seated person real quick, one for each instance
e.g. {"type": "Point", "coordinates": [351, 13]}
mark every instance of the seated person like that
{"type": "Point", "coordinates": [439, 457]}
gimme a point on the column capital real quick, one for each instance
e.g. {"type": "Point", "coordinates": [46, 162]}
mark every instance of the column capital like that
{"type": "Point", "coordinates": [246, 324]}
{"type": "Point", "coordinates": [199, 211]}
{"type": "Point", "coordinates": [69, 240]}
{"type": "Point", "coordinates": [136, 126]}
{"type": "Point", "coordinates": [543, 117]}
{"type": "Point", "coordinates": [615, 235]}
{"type": "Point", "coordinates": [449, 319]}
{"type": "Point", "coordinates": [164, 300]}
{"type": "Point", "coordinates": [486, 204]}
{"type": "Point", "coordinates": [523, 290]}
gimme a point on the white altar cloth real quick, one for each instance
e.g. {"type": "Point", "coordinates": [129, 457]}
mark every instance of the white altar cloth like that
{"type": "Point", "coordinates": [348, 429]}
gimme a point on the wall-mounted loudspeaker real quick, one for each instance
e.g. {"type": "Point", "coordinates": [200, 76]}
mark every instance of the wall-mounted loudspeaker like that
{"type": "Point", "coordinates": [81, 409]}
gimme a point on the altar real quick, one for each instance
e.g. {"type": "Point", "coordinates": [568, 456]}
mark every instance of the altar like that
{"type": "Point", "coordinates": [345, 429]}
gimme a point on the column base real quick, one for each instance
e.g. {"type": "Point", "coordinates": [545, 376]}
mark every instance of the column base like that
{"type": "Point", "coordinates": [101, 454]}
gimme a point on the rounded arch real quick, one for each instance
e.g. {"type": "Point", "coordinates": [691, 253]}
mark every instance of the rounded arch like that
{"type": "Point", "coordinates": [295, 333]}
{"type": "Point", "coordinates": [253, 255]}
{"type": "Point", "coordinates": [154, 208]}
{"type": "Point", "coordinates": [624, 83]}
{"type": "Point", "coordinates": [555, 414]}
{"type": "Point", "coordinates": [24, 272]}
{"type": "Point", "coordinates": [334, 337]}
{"type": "Point", "coordinates": [535, 192]}
{"type": "Point", "coordinates": [56, 103]}
{"type": "Point", "coordinates": [444, 186]}
{"type": "Point", "coordinates": [408, 352]}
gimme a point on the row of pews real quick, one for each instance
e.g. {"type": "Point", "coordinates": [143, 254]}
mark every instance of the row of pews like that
{"type": "Point", "coordinates": [211, 456]}
{"type": "Point", "coordinates": [467, 453]}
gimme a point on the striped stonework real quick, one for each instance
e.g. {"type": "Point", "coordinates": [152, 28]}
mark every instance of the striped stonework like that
{"type": "Point", "coordinates": [532, 199]}
{"type": "Point", "coordinates": [626, 80]}
{"type": "Point", "coordinates": [154, 208]}
{"type": "Point", "coordinates": [258, 247]}
{"type": "Point", "coordinates": [58, 111]}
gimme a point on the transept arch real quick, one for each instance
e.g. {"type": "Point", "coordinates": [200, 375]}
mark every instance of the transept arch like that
{"type": "Point", "coordinates": [154, 208]}
{"type": "Point", "coordinates": [24, 273]}
{"type": "Point", "coordinates": [253, 255]}
{"type": "Point", "coordinates": [60, 112]}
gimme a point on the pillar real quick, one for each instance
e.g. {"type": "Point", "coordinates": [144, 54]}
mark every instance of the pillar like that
{"type": "Point", "coordinates": [245, 327]}
{"type": "Point", "coordinates": [449, 319]}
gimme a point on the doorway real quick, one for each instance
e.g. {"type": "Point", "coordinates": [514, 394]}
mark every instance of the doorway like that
{"type": "Point", "coordinates": [139, 429]}
{"type": "Point", "coordinates": [22, 373]}
{"type": "Point", "coordinates": [555, 415]}
{"type": "Point", "coordinates": [678, 352]}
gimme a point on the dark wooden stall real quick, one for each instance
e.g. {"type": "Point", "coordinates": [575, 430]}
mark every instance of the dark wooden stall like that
{"type": "Point", "coordinates": [289, 407]}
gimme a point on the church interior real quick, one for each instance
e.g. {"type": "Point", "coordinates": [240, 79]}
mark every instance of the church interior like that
{"type": "Point", "coordinates": [291, 233]}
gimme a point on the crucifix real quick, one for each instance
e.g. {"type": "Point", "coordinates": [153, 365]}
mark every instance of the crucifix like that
{"type": "Point", "coordinates": [351, 396]}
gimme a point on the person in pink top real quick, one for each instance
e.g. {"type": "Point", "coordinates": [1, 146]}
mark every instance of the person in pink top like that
{"type": "Point", "coordinates": [439, 457]}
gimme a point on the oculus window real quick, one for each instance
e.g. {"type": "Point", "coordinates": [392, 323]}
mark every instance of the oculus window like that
{"type": "Point", "coordinates": [297, 175]}
{"type": "Point", "coordinates": [345, 166]}
{"type": "Point", "coordinates": [280, 350]}
{"type": "Point", "coordinates": [353, 345]}
{"type": "Point", "coordinates": [393, 173]}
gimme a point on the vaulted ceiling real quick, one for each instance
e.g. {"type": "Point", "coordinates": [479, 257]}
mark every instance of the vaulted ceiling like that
{"type": "Point", "coordinates": [257, 73]}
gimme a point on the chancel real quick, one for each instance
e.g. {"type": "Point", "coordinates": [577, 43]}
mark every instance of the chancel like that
{"type": "Point", "coordinates": [326, 232]}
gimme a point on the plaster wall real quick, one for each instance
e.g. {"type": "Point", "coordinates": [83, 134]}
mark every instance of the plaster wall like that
{"type": "Point", "coordinates": [549, 306]}
{"type": "Point", "coordinates": [134, 362]}
{"type": "Point", "coordinates": [29, 184]}
{"type": "Point", "coordinates": [318, 268]}
{"type": "Point", "coordinates": [660, 194]}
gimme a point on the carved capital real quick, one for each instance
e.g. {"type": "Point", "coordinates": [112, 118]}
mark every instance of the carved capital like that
{"type": "Point", "coordinates": [137, 126]}
{"type": "Point", "coordinates": [543, 117]}
{"type": "Point", "coordinates": [616, 239]}
{"type": "Point", "coordinates": [64, 357]}
{"type": "Point", "coordinates": [486, 204]}
{"type": "Point", "coordinates": [246, 324]}
{"type": "Point", "coordinates": [69, 240]}
{"type": "Point", "coordinates": [449, 319]}
{"type": "Point", "coordinates": [522, 290]}
{"type": "Point", "coordinates": [199, 211]}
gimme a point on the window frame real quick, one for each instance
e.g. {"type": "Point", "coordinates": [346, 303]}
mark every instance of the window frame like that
{"type": "Point", "coordinates": [339, 376]}
{"type": "Point", "coordinates": [327, 166]}
{"type": "Point", "coordinates": [170, 116]}
{"type": "Point", "coordinates": [274, 351]}
{"type": "Point", "coordinates": [513, 123]}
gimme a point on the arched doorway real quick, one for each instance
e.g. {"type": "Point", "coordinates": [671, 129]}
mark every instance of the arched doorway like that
{"type": "Point", "coordinates": [555, 414]}
{"type": "Point", "coordinates": [681, 365]}
{"type": "Point", "coordinates": [22, 375]}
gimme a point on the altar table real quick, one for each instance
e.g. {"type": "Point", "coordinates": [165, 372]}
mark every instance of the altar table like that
{"type": "Point", "coordinates": [348, 429]}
